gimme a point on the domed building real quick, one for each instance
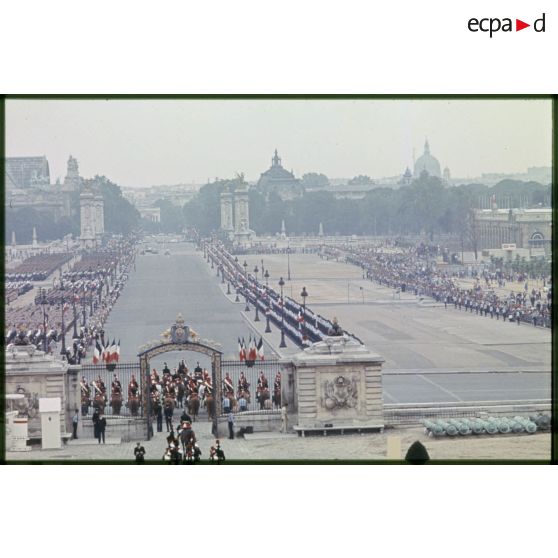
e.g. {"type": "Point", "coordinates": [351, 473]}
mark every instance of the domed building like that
{"type": "Point", "coordinates": [280, 180]}
{"type": "Point", "coordinates": [428, 163]}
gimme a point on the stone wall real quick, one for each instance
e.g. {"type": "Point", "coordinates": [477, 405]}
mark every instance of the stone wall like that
{"type": "Point", "coordinates": [338, 383]}
{"type": "Point", "coordinates": [36, 375]}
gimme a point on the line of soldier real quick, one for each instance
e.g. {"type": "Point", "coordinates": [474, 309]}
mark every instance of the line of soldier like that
{"type": "Point", "coordinates": [95, 394]}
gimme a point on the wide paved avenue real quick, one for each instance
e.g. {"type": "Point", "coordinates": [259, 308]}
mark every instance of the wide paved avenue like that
{"type": "Point", "coordinates": [162, 286]}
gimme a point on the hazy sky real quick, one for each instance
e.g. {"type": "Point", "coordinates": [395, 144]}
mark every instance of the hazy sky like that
{"type": "Point", "coordinates": [143, 143]}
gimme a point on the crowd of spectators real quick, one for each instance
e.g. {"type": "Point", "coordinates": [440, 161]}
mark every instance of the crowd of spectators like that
{"type": "Point", "coordinates": [414, 269]}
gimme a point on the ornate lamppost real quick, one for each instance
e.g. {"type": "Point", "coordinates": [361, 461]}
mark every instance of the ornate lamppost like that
{"type": "Point", "coordinates": [288, 263]}
{"type": "Point", "coordinates": [266, 275]}
{"type": "Point", "coordinates": [267, 314]}
{"type": "Point", "coordinates": [83, 306]}
{"type": "Point", "coordinates": [74, 297]}
{"type": "Point", "coordinates": [62, 290]}
{"type": "Point", "coordinates": [44, 302]}
{"type": "Point", "coordinates": [282, 344]}
{"type": "Point", "coordinates": [245, 266]}
{"type": "Point", "coordinates": [304, 294]}
{"type": "Point", "coordinates": [256, 271]}
{"type": "Point", "coordinates": [91, 301]}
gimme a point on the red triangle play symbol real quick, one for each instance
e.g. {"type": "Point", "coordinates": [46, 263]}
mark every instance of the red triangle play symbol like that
{"type": "Point", "coordinates": [519, 25]}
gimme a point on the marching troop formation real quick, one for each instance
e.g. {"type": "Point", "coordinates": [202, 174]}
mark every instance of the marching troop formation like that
{"type": "Point", "coordinates": [82, 299]}
{"type": "Point", "coordinates": [300, 323]}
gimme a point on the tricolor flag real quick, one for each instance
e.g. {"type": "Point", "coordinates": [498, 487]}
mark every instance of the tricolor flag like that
{"type": "Point", "coordinates": [252, 351]}
{"type": "Point", "coordinates": [261, 349]}
{"type": "Point", "coordinates": [241, 350]}
{"type": "Point", "coordinates": [117, 354]}
{"type": "Point", "coordinates": [97, 351]}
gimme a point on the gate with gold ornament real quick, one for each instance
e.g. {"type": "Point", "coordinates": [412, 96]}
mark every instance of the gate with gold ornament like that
{"type": "Point", "coordinates": [181, 337]}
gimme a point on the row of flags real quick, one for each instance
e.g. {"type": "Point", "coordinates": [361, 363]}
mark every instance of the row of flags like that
{"type": "Point", "coordinates": [251, 351]}
{"type": "Point", "coordinates": [108, 354]}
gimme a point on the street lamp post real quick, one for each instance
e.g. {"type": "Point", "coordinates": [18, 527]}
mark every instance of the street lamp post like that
{"type": "Point", "coordinates": [257, 316]}
{"type": "Point", "coordinates": [83, 307]}
{"type": "Point", "coordinates": [282, 344]}
{"type": "Point", "coordinates": [247, 308]}
{"type": "Point", "coordinates": [228, 287]}
{"type": "Point", "coordinates": [288, 263]}
{"type": "Point", "coordinates": [256, 271]}
{"type": "Point", "coordinates": [91, 302]}
{"type": "Point", "coordinates": [237, 299]}
{"type": "Point", "coordinates": [304, 294]}
{"type": "Point", "coordinates": [266, 275]}
{"type": "Point", "coordinates": [74, 308]}
{"type": "Point", "coordinates": [43, 304]}
{"type": "Point", "coordinates": [245, 266]}
{"type": "Point", "coordinates": [262, 268]}
{"type": "Point", "coordinates": [267, 316]}
{"type": "Point", "coordinates": [63, 349]}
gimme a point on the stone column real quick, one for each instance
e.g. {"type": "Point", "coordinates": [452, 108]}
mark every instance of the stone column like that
{"type": "Point", "coordinates": [87, 224]}
{"type": "Point", "coordinates": [227, 211]}
{"type": "Point", "coordinates": [338, 385]}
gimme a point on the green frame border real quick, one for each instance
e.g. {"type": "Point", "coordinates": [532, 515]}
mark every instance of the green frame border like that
{"type": "Point", "coordinates": [309, 97]}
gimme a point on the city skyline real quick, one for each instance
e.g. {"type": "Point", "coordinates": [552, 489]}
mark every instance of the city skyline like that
{"type": "Point", "coordinates": [165, 142]}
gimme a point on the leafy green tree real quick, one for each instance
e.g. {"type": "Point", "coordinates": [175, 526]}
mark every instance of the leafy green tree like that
{"type": "Point", "coordinates": [172, 217]}
{"type": "Point", "coordinates": [121, 217]}
{"type": "Point", "coordinates": [361, 180]}
{"type": "Point", "coordinates": [314, 180]}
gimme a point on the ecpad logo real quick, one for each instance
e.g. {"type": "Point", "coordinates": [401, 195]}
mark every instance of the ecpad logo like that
{"type": "Point", "coordinates": [493, 25]}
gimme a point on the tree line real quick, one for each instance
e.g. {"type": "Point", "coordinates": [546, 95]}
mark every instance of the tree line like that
{"type": "Point", "coordinates": [426, 206]}
{"type": "Point", "coordinates": [121, 217]}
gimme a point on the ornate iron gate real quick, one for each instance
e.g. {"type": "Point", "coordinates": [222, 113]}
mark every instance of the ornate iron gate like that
{"type": "Point", "coordinates": [124, 372]}
{"type": "Point", "coordinates": [269, 368]}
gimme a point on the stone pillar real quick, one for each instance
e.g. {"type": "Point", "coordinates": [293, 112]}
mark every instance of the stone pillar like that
{"type": "Point", "coordinates": [242, 233]}
{"type": "Point", "coordinates": [227, 211]}
{"type": "Point", "coordinates": [35, 375]}
{"type": "Point", "coordinates": [241, 210]}
{"type": "Point", "coordinates": [87, 237]}
{"type": "Point", "coordinates": [338, 385]}
{"type": "Point", "coordinates": [99, 217]}
{"type": "Point", "coordinates": [34, 237]}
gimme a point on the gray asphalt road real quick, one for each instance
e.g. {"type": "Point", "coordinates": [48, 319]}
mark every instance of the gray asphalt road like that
{"type": "Point", "coordinates": [162, 286]}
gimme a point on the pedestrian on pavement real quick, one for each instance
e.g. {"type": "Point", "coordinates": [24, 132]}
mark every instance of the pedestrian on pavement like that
{"type": "Point", "coordinates": [139, 452]}
{"type": "Point", "coordinates": [95, 419]}
{"type": "Point", "coordinates": [159, 418]}
{"type": "Point", "coordinates": [169, 410]}
{"type": "Point", "coordinates": [230, 421]}
{"type": "Point", "coordinates": [102, 427]}
{"type": "Point", "coordinates": [75, 420]}
{"type": "Point", "coordinates": [284, 419]}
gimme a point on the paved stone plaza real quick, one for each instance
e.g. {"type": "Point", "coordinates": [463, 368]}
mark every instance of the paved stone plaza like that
{"type": "Point", "coordinates": [433, 354]}
{"type": "Point", "coordinates": [275, 446]}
